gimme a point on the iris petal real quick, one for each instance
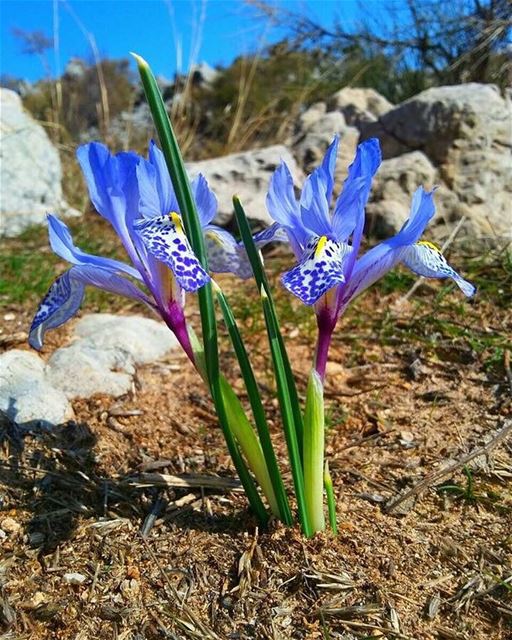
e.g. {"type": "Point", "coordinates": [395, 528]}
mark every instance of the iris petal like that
{"type": "Point", "coordinates": [382, 258]}
{"type": "Point", "coordinates": [225, 254]}
{"type": "Point", "coordinates": [65, 296]}
{"type": "Point", "coordinates": [314, 206]}
{"type": "Point", "coordinates": [163, 183]}
{"type": "Point", "coordinates": [320, 269]}
{"type": "Point", "coordinates": [274, 233]}
{"type": "Point", "coordinates": [62, 244]}
{"type": "Point", "coordinates": [60, 303]}
{"type": "Point", "coordinates": [284, 208]}
{"type": "Point", "coordinates": [164, 238]}
{"type": "Point", "coordinates": [110, 182]}
{"type": "Point", "coordinates": [206, 201]}
{"type": "Point", "coordinates": [426, 260]}
{"type": "Point", "coordinates": [356, 189]}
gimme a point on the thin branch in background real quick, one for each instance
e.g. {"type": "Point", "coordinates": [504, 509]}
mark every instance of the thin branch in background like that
{"type": "Point", "coordinates": [104, 107]}
{"type": "Point", "coordinates": [56, 56]}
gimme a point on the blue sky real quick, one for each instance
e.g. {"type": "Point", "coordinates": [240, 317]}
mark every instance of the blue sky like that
{"type": "Point", "coordinates": [157, 29]}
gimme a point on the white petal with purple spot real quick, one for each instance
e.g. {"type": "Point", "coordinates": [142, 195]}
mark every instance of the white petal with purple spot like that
{"type": "Point", "coordinates": [425, 259]}
{"type": "Point", "coordinates": [320, 269]}
{"type": "Point", "coordinates": [164, 238]}
{"type": "Point", "coordinates": [60, 303]}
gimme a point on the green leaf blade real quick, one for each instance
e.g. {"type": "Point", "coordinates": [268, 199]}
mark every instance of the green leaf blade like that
{"type": "Point", "coordinates": [181, 184]}
{"type": "Point", "coordinates": [257, 408]}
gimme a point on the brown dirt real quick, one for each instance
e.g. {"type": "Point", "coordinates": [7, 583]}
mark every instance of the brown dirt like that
{"type": "Point", "coordinates": [399, 408]}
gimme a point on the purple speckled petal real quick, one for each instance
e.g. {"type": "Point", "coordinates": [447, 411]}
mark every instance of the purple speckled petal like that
{"type": "Point", "coordinates": [225, 254]}
{"type": "Point", "coordinates": [164, 238]}
{"type": "Point", "coordinates": [320, 269]}
{"type": "Point", "coordinates": [65, 295]}
{"type": "Point", "coordinates": [426, 260]}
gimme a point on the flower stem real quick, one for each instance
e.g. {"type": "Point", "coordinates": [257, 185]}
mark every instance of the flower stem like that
{"type": "Point", "coordinates": [322, 350]}
{"type": "Point", "coordinates": [175, 319]}
{"type": "Point", "coordinates": [314, 452]}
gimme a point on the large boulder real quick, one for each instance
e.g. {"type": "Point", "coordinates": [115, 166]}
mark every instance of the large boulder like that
{"type": "Point", "coordinates": [30, 170]}
{"type": "Point", "coordinates": [393, 188]}
{"type": "Point", "coordinates": [246, 175]}
{"type": "Point", "coordinates": [359, 105]}
{"type": "Point", "coordinates": [315, 131]}
{"type": "Point", "coordinates": [466, 132]}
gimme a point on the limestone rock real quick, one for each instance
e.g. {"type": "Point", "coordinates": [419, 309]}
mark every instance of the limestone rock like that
{"type": "Point", "coordinates": [30, 170]}
{"type": "Point", "coordinates": [82, 370]}
{"type": "Point", "coordinates": [311, 143]}
{"type": "Point", "coordinates": [247, 175]}
{"type": "Point", "coordinates": [466, 132]}
{"type": "Point", "coordinates": [144, 339]}
{"type": "Point", "coordinates": [359, 105]}
{"type": "Point", "coordinates": [26, 396]}
{"type": "Point", "coordinates": [311, 116]}
{"type": "Point", "coordinates": [393, 187]}
{"type": "Point", "coordinates": [103, 358]}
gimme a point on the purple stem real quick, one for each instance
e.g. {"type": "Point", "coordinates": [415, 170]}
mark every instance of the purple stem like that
{"type": "Point", "coordinates": [177, 323]}
{"type": "Point", "coordinates": [325, 329]}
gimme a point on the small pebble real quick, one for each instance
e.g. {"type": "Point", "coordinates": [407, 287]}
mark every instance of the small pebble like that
{"type": "Point", "coordinates": [74, 578]}
{"type": "Point", "coordinates": [9, 317]}
{"type": "Point", "coordinates": [9, 525]}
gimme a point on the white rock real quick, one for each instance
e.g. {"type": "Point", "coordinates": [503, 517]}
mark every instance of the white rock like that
{"type": "Point", "coordinates": [103, 357]}
{"type": "Point", "coordinates": [359, 105]}
{"type": "Point", "coordinates": [466, 132]}
{"type": "Point", "coordinates": [82, 370]}
{"type": "Point", "coordinates": [17, 365]}
{"type": "Point", "coordinates": [26, 396]}
{"type": "Point", "coordinates": [74, 578]}
{"type": "Point", "coordinates": [393, 187]}
{"type": "Point", "coordinates": [311, 143]}
{"type": "Point", "coordinates": [246, 175]}
{"type": "Point", "coordinates": [30, 170]}
{"type": "Point", "coordinates": [144, 339]}
{"type": "Point", "coordinates": [311, 116]}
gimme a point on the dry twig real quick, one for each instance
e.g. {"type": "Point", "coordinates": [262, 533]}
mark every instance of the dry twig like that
{"type": "Point", "coordinates": [501, 435]}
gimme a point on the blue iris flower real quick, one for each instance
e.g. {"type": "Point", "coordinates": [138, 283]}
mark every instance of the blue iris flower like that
{"type": "Point", "coordinates": [136, 196]}
{"type": "Point", "coordinates": [329, 273]}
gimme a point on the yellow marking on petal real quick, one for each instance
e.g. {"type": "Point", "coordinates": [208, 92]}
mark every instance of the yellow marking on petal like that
{"type": "Point", "coordinates": [320, 246]}
{"type": "Point", "coordinates": [176, 220]}
{"type": "Point", "coordinates": [213, 236]}
{"type": "Point", "coordinates": [430, 245]}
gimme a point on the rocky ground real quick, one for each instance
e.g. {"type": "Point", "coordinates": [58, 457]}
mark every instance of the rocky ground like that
{"type": "Point", "coordinates": [457, 138]}
{"type": "Point", "coordinates": [125, 521]}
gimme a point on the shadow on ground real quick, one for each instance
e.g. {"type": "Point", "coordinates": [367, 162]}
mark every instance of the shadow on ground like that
{"type": "Point", "coordinates": [57, 479]}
